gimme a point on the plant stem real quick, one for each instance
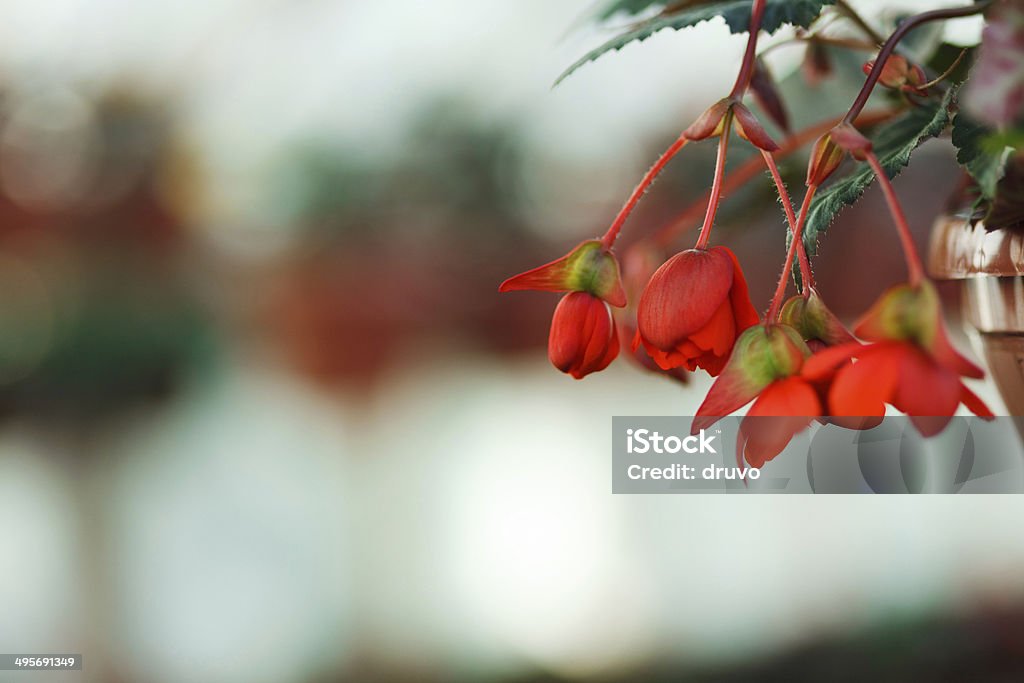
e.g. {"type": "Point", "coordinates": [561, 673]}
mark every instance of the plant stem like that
{"type": "Point", "coordinates": [716, 185]}
{"type": "Point", "coordinates": [902, 227]}
{"type": "Point", "coordinates": [780, 290]}
{"type": "Point", "coordinates": [805, 265]}
{"type": "Point", "coordinates": [613, 231]}
{"type": "Point", "coordinates": [750, 168]}
{"type": "Point", "coordinates": [890, 45]}
{"type": "Point", "coordinates": [747, 66]}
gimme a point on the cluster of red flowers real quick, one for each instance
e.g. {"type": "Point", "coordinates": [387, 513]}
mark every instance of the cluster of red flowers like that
{"type": "Point", "coordinates": [798, 362]}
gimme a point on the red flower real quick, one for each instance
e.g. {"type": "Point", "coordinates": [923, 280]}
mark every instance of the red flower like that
{"type": "Point", "coordinates": [639, 263]}
{"type": "Point", "coordinates": [765, 367]}
{"type": "Point", "coordinates": [911, 365]}
{"type": "Point", "coordinates": [583, 335]}
{"type": "Point", "coordinates": [693, 309]}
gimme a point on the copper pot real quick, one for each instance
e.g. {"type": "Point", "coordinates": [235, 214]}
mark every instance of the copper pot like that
{"type": "Point", "coordinates": [990, 265]}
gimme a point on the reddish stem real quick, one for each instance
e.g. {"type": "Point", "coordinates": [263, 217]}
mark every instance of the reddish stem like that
{"type": "Point", "coordinates": [613, 232]}
{"type": "Point", "coordinates": [716, 185]}
{"type": "Point", "coordinates": [890, 45]}
{"type": "Point", "coordinates": [902, 227]}
{"type": "Point", "coordinates": [780, 290]}
{"type": "Point", "coordinates": [805, 265]}
{"type": "Point", "coordinates": [752, 167]}
{"type": "Point", "coordinates": [747, 66]}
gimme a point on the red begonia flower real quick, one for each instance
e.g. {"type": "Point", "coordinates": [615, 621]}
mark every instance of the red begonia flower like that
{"type": "Point", "coordinates": [693, 309]}
{"type": "Point", "coordinates": [911, 364]}
{"type": "Point", "coordinates": [583, 335]}
{"type": "Point", "coordinates": [639, 263]}
{"type": "Point", "coordinates": [765, 367]}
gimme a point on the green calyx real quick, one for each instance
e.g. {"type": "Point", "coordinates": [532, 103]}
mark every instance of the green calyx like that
{"type": "Point", "coordinates": [592, 268]}
{"type": "Point", "coordinates": [765, 354]}
{"type": "Point", "coordinates": [809, 316]}
{"type": "Point", "coordinates": [909, 313]}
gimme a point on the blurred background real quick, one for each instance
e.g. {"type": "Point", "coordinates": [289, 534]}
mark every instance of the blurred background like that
{"type": "Point", "coordinates": [266, 418]}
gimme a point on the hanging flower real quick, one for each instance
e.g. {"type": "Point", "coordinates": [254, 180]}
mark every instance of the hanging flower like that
{"type": "Point", "coordinates": [583, 335]}
{"type": "Point", "coordinates": [693, 309]}
{"type": "Point", "coordinates": [911, 364]}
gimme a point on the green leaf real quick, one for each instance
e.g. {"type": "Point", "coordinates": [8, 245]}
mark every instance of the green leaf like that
{"type": "Point", "coordinates": [974, 152]}
{"type": "Point", "coordinates": [735, 12]}
{"type": "Point", "coordinates": [628, 7]}
{"type": "Point", "coordinates": [893, 144]}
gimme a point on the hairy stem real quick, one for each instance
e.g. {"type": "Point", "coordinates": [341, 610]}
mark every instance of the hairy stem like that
{"type": "Point", "coordinates": [716, 186]}
{"type": "Point", "coordinates": [613, 231]}
{"type": "Point", "coordinates": [751, 168]}
{"type": "Point", "coordinates": [902, 227]}
{"type": "Point", "coordinates": [787, 205]}
{"type": "Point", "coordinates": [780, 290]}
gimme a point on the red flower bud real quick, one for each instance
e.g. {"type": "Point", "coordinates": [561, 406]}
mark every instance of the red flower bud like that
{"type": "Point", "coordinates": [851, 140]}
{"type": "Point", "coordinates": [590, 267]}
{"type": "Point", "coordinates": [711, 122]}
{"type": "Point", "coordinates": [714, 120]}
{"type": "Point", "coordinates": [899, 74]}
{"type": "Point", "coordinates": [583, 335]}
{"type": "Point", "coordinates": [751, 130]}
{"type": "Point", "coordinates": [826, 156]}
{"type": "Point", "coordinates": [693, 308]}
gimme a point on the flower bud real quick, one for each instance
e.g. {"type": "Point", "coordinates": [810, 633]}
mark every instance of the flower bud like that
{"type": "Point", "coordinates": [899, 74]}
{"type": "Point", "coordinates": [712, 122]}
{"type": "Point", "coordinates": [826, 156]}
{"type": "Point", "coordinates": [751, 130]}
{"type": "Point", "coordinates": [851, 140]}
{"type": "Point", "coordinates": [583, 336]}
{"type": "Point", "coordinates": [590, 267]}
{"type": "Point", "coordinates": [809, 316]}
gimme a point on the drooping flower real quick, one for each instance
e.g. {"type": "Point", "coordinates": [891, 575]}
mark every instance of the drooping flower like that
{"type": "Point", "coordinates": [911, 363]}
{"type": "Point", "coordinates": [693, 309]}
{"type": "Point", "coordinates": [583, 337]}
{"type": "Point", "coordinates": [822, 330]}
{"type": "Point", "coordinates": [639, 263]}
{"type": "Point", "coordinates": [765, 368]}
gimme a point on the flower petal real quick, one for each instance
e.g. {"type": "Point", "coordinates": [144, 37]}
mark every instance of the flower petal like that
{"type": "Point", "coordinates": [975, 404]}
{"type": "Point", "coordinates": [783, 410]}
{"type": "Point", "coordinates": [928, 393]}
{"type": "Point", "coordinates": [683, 295]}
{"type": "Point", "coordinates": [862, 389]}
